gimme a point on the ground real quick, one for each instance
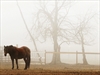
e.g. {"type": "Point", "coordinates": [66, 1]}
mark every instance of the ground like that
{"type": "Point", "coordinates": [58, 69]}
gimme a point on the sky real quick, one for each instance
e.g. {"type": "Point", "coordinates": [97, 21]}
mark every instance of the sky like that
{"type": "Point", "coordinates": [13, 30]}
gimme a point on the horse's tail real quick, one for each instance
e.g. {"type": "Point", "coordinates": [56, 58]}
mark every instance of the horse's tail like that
{"type": "Point", "coordinates": [29, 60]}
{"type": "Point", "coordinates": [28, 56]}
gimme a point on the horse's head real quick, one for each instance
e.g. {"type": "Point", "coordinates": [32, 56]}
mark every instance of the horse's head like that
{"type": "Point", "coordinates": [6, 49]}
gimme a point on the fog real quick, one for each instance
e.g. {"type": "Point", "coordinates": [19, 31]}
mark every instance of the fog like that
{"type": "Point", "coordinates": [14, 32]}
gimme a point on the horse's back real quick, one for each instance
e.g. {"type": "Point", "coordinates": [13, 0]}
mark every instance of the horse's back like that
{"type": "Point", "coordinates": [23, 51]}
{"type": "Point", "coordinates": [26, 49]}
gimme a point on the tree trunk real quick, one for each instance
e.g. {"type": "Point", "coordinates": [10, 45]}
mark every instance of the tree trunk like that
{"type": "Point", "coordinates": [54, 59]}
{"type": "Point", "coordinates": [83, 50]}
{"type": "Point", "coordinates": [56, 56]}
{"type": "Point", "coordinates": [84, 56]}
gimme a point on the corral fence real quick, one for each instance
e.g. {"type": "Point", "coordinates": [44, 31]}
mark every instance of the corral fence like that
{"type": "Point", "coordinates": [44, 57]}
{"type": "Point", "coordinates": [38, 57]}
{"type": "Point", "coordinates": [35, 58]}
{"type": "Point", "coordinates": [75, 53]}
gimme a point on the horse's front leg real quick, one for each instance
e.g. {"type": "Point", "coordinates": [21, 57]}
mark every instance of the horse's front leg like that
{"type": "Point", "coordinates": [12, 63]}
{"type": "Point", "coordinates": [17, 63]}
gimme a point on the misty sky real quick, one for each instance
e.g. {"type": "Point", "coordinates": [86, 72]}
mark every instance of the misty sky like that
{"type": "Point", "coordinates": [13, 30]}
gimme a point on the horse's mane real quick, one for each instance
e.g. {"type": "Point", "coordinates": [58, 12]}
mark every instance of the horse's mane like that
{"type": "Point", "coordinates": [12, 49]}
{"type": "Point", "coordinates": [13, 46]}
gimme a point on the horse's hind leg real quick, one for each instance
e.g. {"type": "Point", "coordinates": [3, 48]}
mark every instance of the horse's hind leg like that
{"type": "Point", "coordinates": [25, 63]}
{"type": "Point", "coordinates": [17, 63]}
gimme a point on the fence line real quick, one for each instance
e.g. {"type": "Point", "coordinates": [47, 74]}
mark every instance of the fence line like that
{"type": "Point", "coordinates": [74, 52]}
{"type": "Point", "coordinates": [42, 57]}
{"type": "Point", "coordinates": [77, 53]}
{"type": "Point", "coordinates": [6, 59]}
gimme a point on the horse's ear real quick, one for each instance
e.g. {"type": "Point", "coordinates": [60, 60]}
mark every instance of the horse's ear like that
{"type": "Point", "coordinates": [11, 45]}
{"type": "Point", "coordinates": [4, 46]}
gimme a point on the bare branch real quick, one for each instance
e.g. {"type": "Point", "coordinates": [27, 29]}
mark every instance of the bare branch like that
{"type": "Point", "coordinates": [28, 29]}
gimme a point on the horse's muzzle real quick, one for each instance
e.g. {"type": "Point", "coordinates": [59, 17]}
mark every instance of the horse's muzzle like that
{"type": "Point", "coordinates": [5, 54]}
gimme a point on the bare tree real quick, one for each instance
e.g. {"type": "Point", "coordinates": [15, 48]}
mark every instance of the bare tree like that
{"type": "Point", "coordinates": [84, 32]}
{"type": "Point", "coordinates": [53, 23]}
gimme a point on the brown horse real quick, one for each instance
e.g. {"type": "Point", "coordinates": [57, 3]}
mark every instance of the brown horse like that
{"type": "Point", "coordinates": [18, 53]}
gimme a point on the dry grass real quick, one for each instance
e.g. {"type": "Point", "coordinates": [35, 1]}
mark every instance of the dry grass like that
{"type": "Point", "coordinates": [59, 69]}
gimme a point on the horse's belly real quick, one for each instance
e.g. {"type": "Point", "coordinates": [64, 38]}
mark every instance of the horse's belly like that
{"type": "Point", "coordinates": [20, 57]}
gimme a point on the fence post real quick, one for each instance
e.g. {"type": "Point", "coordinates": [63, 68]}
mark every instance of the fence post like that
{"type": "Point", "coordinates": [45, 57]}
{"type": "Point", "coordinates": [76, 57]}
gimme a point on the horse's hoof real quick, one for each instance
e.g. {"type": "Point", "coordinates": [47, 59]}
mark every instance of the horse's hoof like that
{"type": "Point", "coordinates": [12, 68]}
{"type": "Point", "coordinates": [25, 69]}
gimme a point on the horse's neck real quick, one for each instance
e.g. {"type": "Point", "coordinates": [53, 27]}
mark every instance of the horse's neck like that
{"type": "Point", "coordinates": [12, 51]}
